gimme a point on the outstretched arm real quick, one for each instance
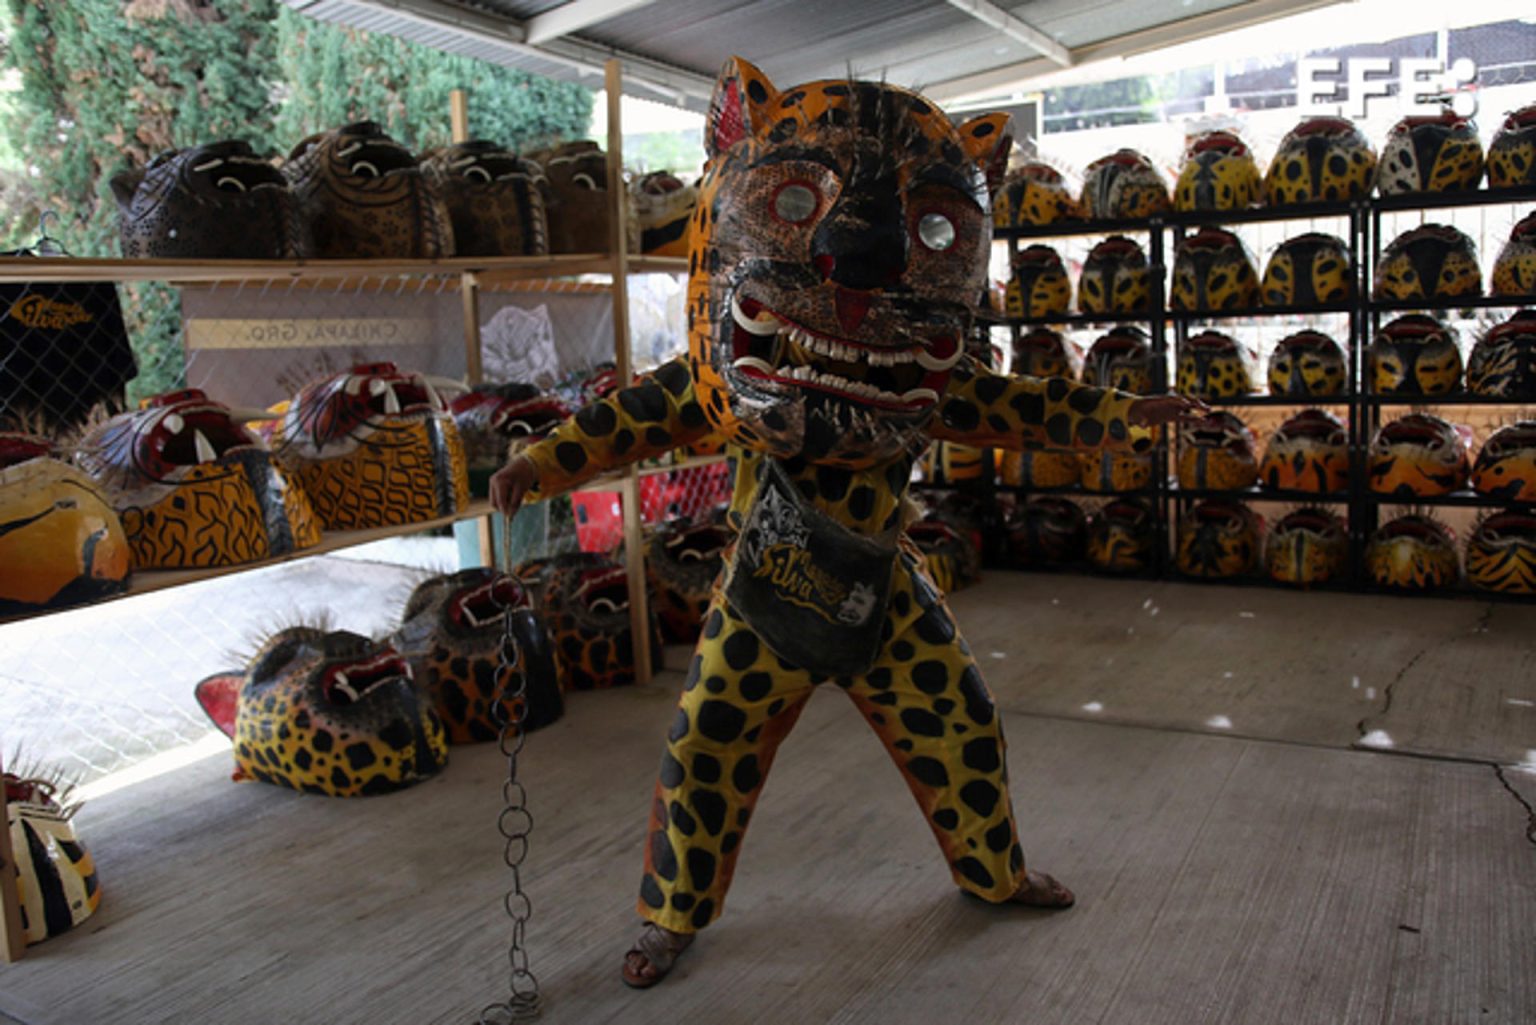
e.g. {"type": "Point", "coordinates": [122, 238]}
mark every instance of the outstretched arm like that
{"type": "Point", "coordinates": [984, 408]}
{"type": "Point", "coordinates": [648, 419]}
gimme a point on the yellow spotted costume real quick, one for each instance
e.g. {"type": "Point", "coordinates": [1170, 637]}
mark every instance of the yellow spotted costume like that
{"type": "Point", "coordinates": [839, 242]}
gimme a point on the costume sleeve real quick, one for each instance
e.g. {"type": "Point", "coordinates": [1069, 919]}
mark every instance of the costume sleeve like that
{"type": "Point", "coordinates": [647, 419]}
{"type": "Point", "coordinates": [983, 408]}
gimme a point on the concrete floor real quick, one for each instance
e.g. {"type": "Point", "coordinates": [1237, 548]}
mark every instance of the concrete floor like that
{"type": "Point", "coordinates": [1275, 807]}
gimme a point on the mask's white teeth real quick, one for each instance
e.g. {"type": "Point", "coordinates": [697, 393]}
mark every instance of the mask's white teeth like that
{"type": "Point", "coordinates": [239, 186]}
{"type": "Point", "coordinates": [928, 361]}
{"type": "Point", "coordinates": [208, 165]}
{"type": "Point", "coordinates": [754, 363]}
{"type": "Point", "coordinates": [605, 605]}
{"type": "Point", "coordinates": [478, 172]}
{"type": "Point", "coordinates": [764, 324]}
{"type": "Point", "coordinates": [689, 555]}
{"type": "Point", "coordinates": [205, 452]}
{"type": "Point", "coordinates": [354, 386]}
{"type": "Point", "coordinates": [364, 167]}
{"type": "Point", "coordinates": [920, 395]}
{"type": "Point", "coordinates": [174, 423]}
{"type": "Point", "coordinates": [391, 400]}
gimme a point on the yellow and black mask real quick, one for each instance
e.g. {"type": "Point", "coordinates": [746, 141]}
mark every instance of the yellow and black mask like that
{"type": "Point", "coordinates": [1114, 278]}
{"type": "Point", "coordinates": [1218, 539]}
{"type": "Point", "coordinates": [1307, 364]}
{"type": "Point", "coordinates": [1124, 184]}
{"type": "Point", "coordinates": [1039, 286]}
{"type": "Point", "coordinates": [1418, 454]}
{"type": "Point", "coordinates": [1512, 153]}
{"type": "Point", "coordinates": [1216, 451]}
{"type": "Point", "coordinates": [1212, 271]}
{"type": "Point", "coordinates": [1120, 359]}
{"type": "Point", "coordinates": [1501, 553]}
{"type": "Point", "coordinates": [1413, 552]}
{"type": "Point", "coordinates": [663, 207]}
{"type": "Point", "coordinates": [1034, 194]}
{"type": "Point", "coordinates": [1503, 362]}
{"type": "Point", "coordinates": [493, 198]}
{"type": "Point", "coordinates": [950, 540]}
{"type": "Point", "coordinates": [1122, 536]}
{"type": "Point", "coordinates": [496, 420]}
{"type": "Point", "coordinates": [1438, 153]}
{"type": "Point", "coordinates": [1213, 365]}
{"type": "Point", "coordinates": [55, 874]}
{"type": "Point", "coordinates": [583, 598]}
{"type": "Point", "coordinates": [682, 561]}
{"type": "Point", "coordinates": [1308, 452]}
{"type": "Point", "coordinates": [1218, 174]}
{"type": "Point", "coordinates": [1046, 531]}
{"type": "Point", "coordinates": [1432, 261]}
{"type": "Point", "coordinates": [1321, 160]}
{"type": "Point", "coordinates": [1514, 272]}
{"type": "Point", "coordinates": [1415, 355]}
{"type": "Point", "coordinates": [1306, 547]}
{"type": "Point", "coordinates": [1506, 464]}
{"type": "Point", "coordinates": [1309, 270]}
{"type": "Point", "coordinates": [194, 488]}
{"type": "Point", "coordinates": [1043, 352]}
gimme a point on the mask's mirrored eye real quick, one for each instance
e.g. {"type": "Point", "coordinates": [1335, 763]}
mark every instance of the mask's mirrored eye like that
{"type": "Point", "coordinates": [795, 203]}
{"type": "Point", "coordinates": [936, 231]}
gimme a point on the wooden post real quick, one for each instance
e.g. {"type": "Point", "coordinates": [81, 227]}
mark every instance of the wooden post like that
{"type": "Point", "coordinates": [629, 486]}
{"type": "Point", "coordinates": [12, 941]}
{"type": "Point", "coordinates": [458, 114]}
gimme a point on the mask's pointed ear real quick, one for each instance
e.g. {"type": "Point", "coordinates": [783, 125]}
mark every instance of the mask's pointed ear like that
{"type": "Point", "coordinates": [739, 106]}
{"type": "Point", "coordinates": [988, 140]}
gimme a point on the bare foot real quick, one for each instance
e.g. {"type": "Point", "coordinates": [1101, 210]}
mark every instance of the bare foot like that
{"type": "Point", "coordinates": [1042, 891]}
{"type": "Point", "coordinates": [653, 955]}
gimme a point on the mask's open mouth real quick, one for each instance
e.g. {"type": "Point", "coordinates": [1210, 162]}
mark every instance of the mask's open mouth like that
{"type": "Point", "coordinates": [528, 419]}
{"type": "Point", "coordinates": [931, 535]}
{"type": "Point", "coordinates": [769, 348]}
{"type": "Point", "coordinates": [487, 604]}
{"type": "Point", "coordinates": [346, 683]}
{"type": "Point", "coordinates": [604, 592]}
{"type": "Point", "coordinates": [1414, 432]}
{"type": "Point", "coordinates": [1508, 528]}
{"type": "Point", "coordinates": [1416, 529]}
{"type": "Point", "coordinates": [1314, 425]}
{"type": "Point", "coordinates": [699, 544]}
{"type": "Point", "coordinates": [1313, 521]}
{"type": "Point", "coordinates": [1510, 441]}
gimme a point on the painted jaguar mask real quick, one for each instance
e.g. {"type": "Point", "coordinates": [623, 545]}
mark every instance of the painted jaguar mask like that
{"type": "Point", "coordinates": [1105, 472]}
{"type": "Point", "coordinates": [1034, 194]}
{"type": "Point", "coordinates": [1506, 464]}
{"type": "Point", "coordinates": [663, 207]}
{"type": "Point", "coordinates": [1415, 355]}
{"type": "Point", "coordinates": [1307, 364]}
{"type": "Point", "coordinates": [950, 546]}
{"type": "Point", "coordinates": [1514, 272]}
{"type": "Point", "coordinates": [1309, 270]}
{"type": "Point", "coordinates": [1501, 553]}
{"type": "Point", "coordinates": [1213, 271]}
{"type": "Point", "coordinates": [1321, 160]}
{"type": "Point", "coordinates": [1213, 365]}
{"type": "Point", "coordinates": [1307, 546]}
{"type": "Point", "coordinates": [326, 712]}
{"type": "Point", "coordinates": [363, 196]}
{"type": "Point", "coordinates": [218, 201]}
{"type": "Point", "coordinates": [1512, 153]}
{"type": "Point", "coordinates": [1124, 184]}
{"type": "Point", "coordinates": [1216, 451]}
{"type": "Point", "coordinates": [682, 562]}
{"type": "Point", "coordinates": [1039, 286]}
{"type": "Point", "coordinates": [1043, 352]}
{"type": "Point", "coordinates": [1419, 454]}
{"type": "Point", "coordinates": [1412, 552]}
{"type": "Point", "coordinates": [453, 634]}
{"type": "Point", "coordinates": [1432, 261]}
{"type": "Point", "coordinates": [1503, 362]}
{"type": "Point", "coordinates": [60, 540]}
{"type": "Point", "coordinates": [1120, 359]}
{"type": "Point", "coordinates": [583, 599]}
{"type": "Point", "coordinates": [493, 198]}
{"type": "Point", "coordinates": [1122, 536]}
{"type": "Point", "coordinates": [1218, 174]}
{"type": "Point", "coordinates": [1439, 153]}
{"type": "Point", "coordinates": [1115, 278]}
{"type": "Point", "coordinates": [494, 421]}
{"type": "Point", "coordinates": [194, 488]}
{"type": "Point", "coordinates": [1218, 539]}
{"type": "Point", "coordinates": [1308, 452]}
{"type": "Point", "coordinates": [56, 875]}
{"type": "Point", "coordinates": [576, 198]}
{"type": "Point", "coordinates": [374, 446]}
{"type": "Point", "coordinates": [1046, 531]}
{"type": "Point", "coordinates": [841, 243]}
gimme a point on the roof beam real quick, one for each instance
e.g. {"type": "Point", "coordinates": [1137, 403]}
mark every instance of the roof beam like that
{"type": "Point", "coordinates": [1015, 28]}
{"type": "Point", "coordinates": [573, 17]}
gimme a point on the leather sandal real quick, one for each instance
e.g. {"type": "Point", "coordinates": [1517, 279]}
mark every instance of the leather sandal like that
{"type": "Point", "coordinates": [1042, 891]}
{"type": "Point", "coordinates": [660, 949]}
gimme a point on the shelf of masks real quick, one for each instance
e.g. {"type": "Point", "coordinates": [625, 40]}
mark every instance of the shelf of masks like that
{"type": "Point", "coordinates": [488, 271]}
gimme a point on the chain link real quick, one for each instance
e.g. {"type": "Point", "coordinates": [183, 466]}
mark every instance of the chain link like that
{"type": "Point", "coordinates": [515, 823]}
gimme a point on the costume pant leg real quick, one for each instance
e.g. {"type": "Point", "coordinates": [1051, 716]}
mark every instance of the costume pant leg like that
{"type": "Point", "coordinates": [739, 702]}
{"type": "Point", "coordinates": [926, 700]}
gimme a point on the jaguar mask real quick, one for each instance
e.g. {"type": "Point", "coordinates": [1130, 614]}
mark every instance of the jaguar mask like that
{"type": "Point", "coordinates": [1432, 261]}
{"type": "Point", "coordinates": [496, 420]}
{"type": "Point", "coordinates": [1415, 355]}
{"type": "Point", "coordinates": [1124, 184]}
{"type": "Point", "coordinates": [1514, 272]}
{"type": "Point", "coordinates": [1439, 153]}
{"type": "Point", "coordinates": [194, 488]}
{"type": "Point", "coordinates": [1034, 194]}
{"type": "Point", "coordinates": [682, 561]}
{"type": "Point", "coordinates": [1039, 286]}
{"type": "Point", "coordinates": [1046, 531]}
{"type": "Point", "coordinates": [56, 876]}
{"type": "Point", "coordinates": [1413, 552]}
{"type": "Point", "coordinates": [840, 245]}
{"type": "Point", "coordinates": [1419, 454]}
{"type": "Point", "coordinates": [1309, 270]}
{"type": "Point", "coordinates": [583, 599]}
{"type": "Point", "coordinates": [1506, 464]}
{"type": "Point", "coordinates": [326, 712]}
{"type": "Point", "coordinates": [663, 207]}
{"type": "Point", "coordinates": [1308, 452]}
{"type": "Point", "coordinates": [1120, 359]}
{"type": "Point", "coordinates": [1501, 553]}
{"type": "Point", "coordinates": [1512, 153]}
{"type": "Point", "coordinates": [576, 198]}
{"type": "Point", "coordinates": [493, 198]}
{"type": "Point", "coordinates": [374, 446]}
{"type": "Point", "coordinates": [1105, 472]}
{"type": "Point", "coordinates": [1307, 546]}
{"type": "Point", "coordinates": [60, 540]}
{"type": "Point", "coordinates": [1122, 536]}
{"type": "Point", "coordinates": [950, 550]}
{"type": "Point", "coordinates": [1043, 352]}
{"type": "Point", "coordinates": [1218, 174]}
{"type": "Point", "coordinates": [1218, 539]}
{"type": "Point", "coordinates": [1042, 468]}
{"type": "Point", "coordinates": [363, 196]}
{"type": "Point", "coordinates": [1115, 278]}
{"type": "Point", "coordinates": [1213, 365]}
{"type": "Point", "coordinates": [453, 635]}
{"type": "Point", "coordinates": [1307, 364]}
{"type": "Point", "coordinates": [1503, 362]}
{"type": "Point", "coordinates": [219, 202]}
{"type": "Point", "coordinates": [1212, 271]}
{"type": "Point", "coordinates": [1216, 451]}
{"type": "Point", "coordinates": [1321, 160]}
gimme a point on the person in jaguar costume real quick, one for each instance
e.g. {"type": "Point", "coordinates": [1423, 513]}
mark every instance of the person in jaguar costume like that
{"type": "Point", "coordinates": [839, 247]}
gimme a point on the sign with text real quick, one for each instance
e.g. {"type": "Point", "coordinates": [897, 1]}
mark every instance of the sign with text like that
{"type": "Point", "coordinates": [305, 332]}
{"type": "Point", "coordinates": [1422, 85]}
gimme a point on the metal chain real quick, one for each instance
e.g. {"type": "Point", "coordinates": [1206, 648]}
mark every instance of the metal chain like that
{"type": "Point", "coordinates": [515, 823]}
